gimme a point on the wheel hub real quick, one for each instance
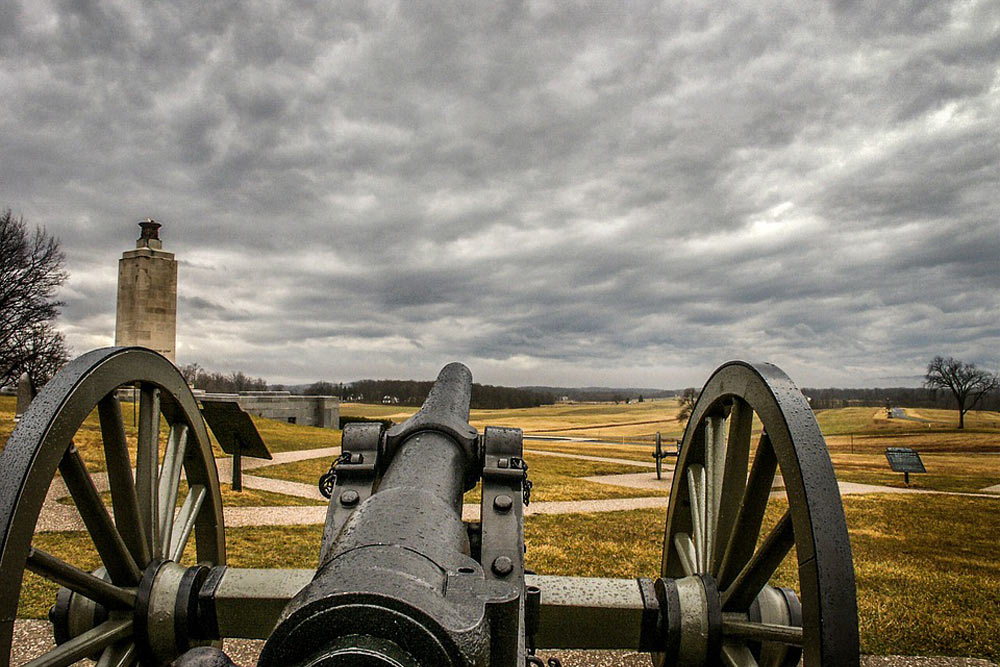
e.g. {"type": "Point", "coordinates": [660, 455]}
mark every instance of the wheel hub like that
{"type": "Point", "coordinates": [166, 610]}
{"type": "Point", "coordinates": [691, 619]}
{"type": "Point", "coordinates": [73, 614]}
{"type": "Point", "coordinates": [692, 623]}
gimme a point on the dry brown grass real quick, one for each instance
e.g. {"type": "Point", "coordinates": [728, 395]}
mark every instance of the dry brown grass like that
{"type": "Point", "coordinates": [599, 420]}
{"type": "Point", "coordinates": [554, 478]}
{"type": "Point", "coordinates": [965, 472]}
{"type": "Point", "coordinates": [246, 498]}
{"type": "Point", "coordinates": [928, 583]}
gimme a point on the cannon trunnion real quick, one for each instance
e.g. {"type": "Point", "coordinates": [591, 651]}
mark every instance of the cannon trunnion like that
{"type": "Point", "coordinates": [756, 566]}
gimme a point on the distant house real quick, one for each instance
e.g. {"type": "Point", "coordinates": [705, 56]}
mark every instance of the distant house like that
{"type": "Point", "coordinates": [389, 400]}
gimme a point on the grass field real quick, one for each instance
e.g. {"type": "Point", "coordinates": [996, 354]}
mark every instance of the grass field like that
{"type": "Point", "coordinates": [605, 421]}
{"type": "Point", "coordinates": [555, 478]}
{"type": "Point", "coordinates": [278, 436]}
{"type": "Point", "coordinates": [927, 584]}
{"type": "Point", "coordinates": [927, 566]}
{"type": "Point", "coordinates": [642, 453]}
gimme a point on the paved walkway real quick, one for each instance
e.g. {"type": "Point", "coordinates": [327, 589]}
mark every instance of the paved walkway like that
{"type": "Point", "coordinates": [58, 517]}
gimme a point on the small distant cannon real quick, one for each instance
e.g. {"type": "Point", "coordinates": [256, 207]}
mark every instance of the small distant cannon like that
{"type": "Point", "coordinates": [659, 454]}
{"type": "Point", "coordinates": [402, 580]}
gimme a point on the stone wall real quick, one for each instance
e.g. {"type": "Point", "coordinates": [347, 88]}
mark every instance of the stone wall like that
{"type": "Point", "coordinates": [320, 411]}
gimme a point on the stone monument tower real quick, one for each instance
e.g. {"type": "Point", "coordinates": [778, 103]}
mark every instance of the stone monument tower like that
{"type": "Point", "coordinates": [147, 294]}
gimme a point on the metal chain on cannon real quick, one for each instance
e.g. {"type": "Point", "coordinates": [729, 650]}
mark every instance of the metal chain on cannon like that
{"type": "Point", "coordinates": [328, 479]}
{"type": "Point", "coordinates": [526, 484]}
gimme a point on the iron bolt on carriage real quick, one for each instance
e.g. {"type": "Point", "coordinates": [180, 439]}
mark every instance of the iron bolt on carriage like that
{"type": "Point", "coordinates": [402, 581]}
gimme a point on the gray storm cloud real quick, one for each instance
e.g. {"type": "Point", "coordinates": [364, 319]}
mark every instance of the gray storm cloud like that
{"type": "Point", "coordinates": [560, 193]}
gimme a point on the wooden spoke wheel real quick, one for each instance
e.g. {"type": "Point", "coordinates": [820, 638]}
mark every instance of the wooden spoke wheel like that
{"type": "Point", "coordinates": [749, 424]}
{"type": "Point", "coordinates": [127, 610]}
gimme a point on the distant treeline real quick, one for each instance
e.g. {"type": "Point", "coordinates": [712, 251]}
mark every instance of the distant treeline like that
{"type": "Point", "coordinates": [413, 392]}
{"type": "Point", "coordinates": [603, 394]}
{"type": "Point", "coordinates": [215, 382]}
{"type": "Point", "coordinates": [908, 397]}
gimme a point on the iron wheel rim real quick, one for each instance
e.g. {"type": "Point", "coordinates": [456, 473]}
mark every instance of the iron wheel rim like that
{"type": "Point", "coordinates": [41, 445]}
{"type": "Point", "coordinates": [732, 496]}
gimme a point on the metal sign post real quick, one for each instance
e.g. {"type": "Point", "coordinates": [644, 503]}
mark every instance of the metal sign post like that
{"type": "Point", "coordinates": [904, 460]}
{"type": "Point", "coordinates": [235, 432]}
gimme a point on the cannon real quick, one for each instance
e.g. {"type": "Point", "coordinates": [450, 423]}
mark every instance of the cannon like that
{"type": "Point", "coordinates": [402, 580]}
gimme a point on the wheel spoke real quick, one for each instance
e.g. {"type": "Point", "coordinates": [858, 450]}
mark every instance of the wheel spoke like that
{"type": "Point", "coordinates": [185, 520]}
{"type": "Point", "coordinates": [715, 464]}
{"type": "Point", "coordinates": [115, 555]}
{"type": "Point", "coordinates": [743, 538]}
{"type": "Point", "coordinates": [686, 552]}
{"type": "Point", "coordinates": [147, 462]}
{"type": "Point", "coordinates": [119, 655]}
{"type": "Point", "coordinates": [84, 583]}
{"type": "Point", "coordinates": [762, 632]}
{"type": "Point", "coordinates": [170, 478]}
{"type": "Point", "coordinates": [761, 567]}
{"type": "Point", "coordinates": [123, 498]}
{"type": "Point", "coordinates": [736, 654]}
{"type": "Point", "coordinates": [696, 494]}
{"type": "Point", "coordinates": [734, 479]}
{"type": "Point", "coordinates": [88, 643]}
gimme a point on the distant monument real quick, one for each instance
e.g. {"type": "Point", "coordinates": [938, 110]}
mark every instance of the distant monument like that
{"type": "Point", "coordinates": [25, 394]}
{"type": "Point", "coordinates": [147, 294]}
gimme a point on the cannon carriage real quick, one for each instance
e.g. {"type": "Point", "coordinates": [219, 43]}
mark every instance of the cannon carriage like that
{"type": "Point", "coordinates": [402, 580]}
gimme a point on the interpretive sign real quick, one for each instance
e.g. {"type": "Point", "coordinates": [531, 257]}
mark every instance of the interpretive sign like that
{"type": "Point", "coordinates": [904, 460]}
{"type": "Point", "coordinates": [235, 432]}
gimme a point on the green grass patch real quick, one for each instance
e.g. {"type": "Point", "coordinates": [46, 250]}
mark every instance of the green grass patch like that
{"type": "Point", "coordinates": [284, 437]}
{"type": "Point", "coordinates": [253, 546]}
{"type": "Point", "coordinates": [304, 472]}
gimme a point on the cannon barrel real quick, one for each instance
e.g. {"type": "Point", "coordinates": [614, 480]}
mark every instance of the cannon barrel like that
{"type": "Point", "coordinates": [398, 585]}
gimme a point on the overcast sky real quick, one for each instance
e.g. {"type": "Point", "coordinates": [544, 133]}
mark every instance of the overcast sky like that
{"type": "Point", "coordinates": [615, 193]}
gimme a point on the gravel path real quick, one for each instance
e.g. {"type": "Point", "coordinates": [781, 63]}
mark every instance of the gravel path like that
{"type": "Point", "coordinates": [33, 638]}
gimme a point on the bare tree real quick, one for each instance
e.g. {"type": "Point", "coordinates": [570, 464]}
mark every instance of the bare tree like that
{"type": "Point", "coordinates": [688, 398]}
{"type": "Point", "coordinates": [30, 273]}
{"type": "Point", "coordinates": [966, 383]}
{"type": "Point", "coordinates": [190, 372]}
